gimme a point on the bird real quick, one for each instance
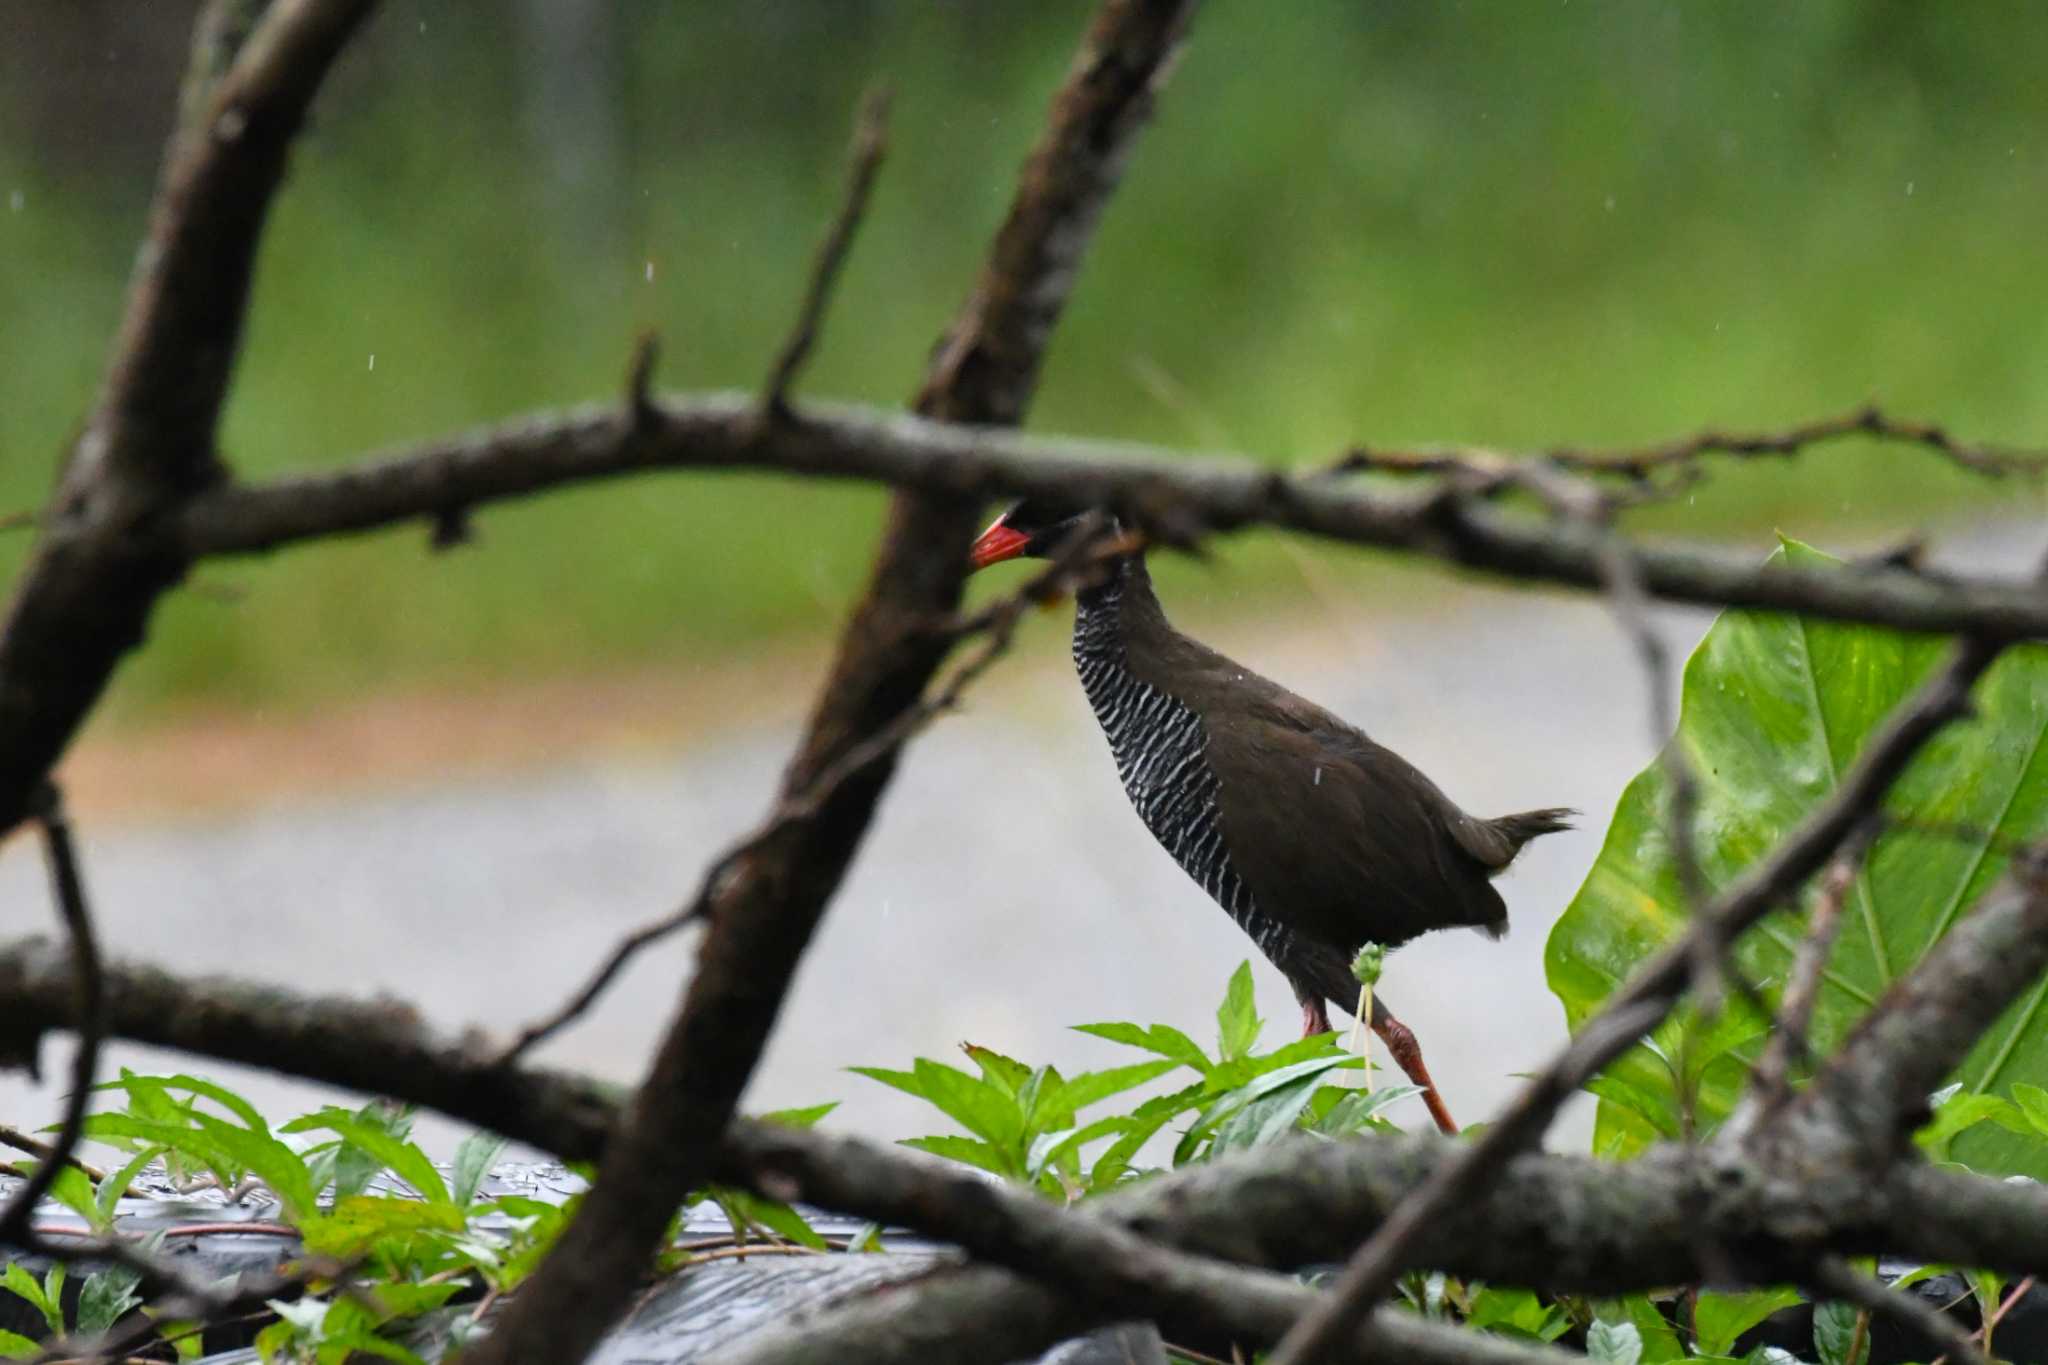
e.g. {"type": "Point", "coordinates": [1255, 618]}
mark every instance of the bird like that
{"type": "Point", "coordinates": [1313, 837]}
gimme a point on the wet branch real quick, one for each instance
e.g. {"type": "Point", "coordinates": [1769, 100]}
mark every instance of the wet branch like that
{"type": "Point", "coordinates": [764, 911]}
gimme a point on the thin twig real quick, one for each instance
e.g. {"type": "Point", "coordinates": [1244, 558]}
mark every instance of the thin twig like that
{"type": "Point", "coordinates": [640, 413]}
{"type": "Point", "coordinates": [1771, 1081]}
{"type": "Point", "coordinates": [1150, 487]}
{"type": "Point", "coordinates": [68, 890]}
{"type": "Point", "coordinates": [1832, 1277]}
{"type": "Point", "coordinates": [1486, 466]}
{"type": "Point", "coordinates": [22, 1142]}
{"type": "Point", "coordinates": [870, 142]}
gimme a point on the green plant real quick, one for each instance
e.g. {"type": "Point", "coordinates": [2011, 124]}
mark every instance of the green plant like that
{"type": "Point", "coordinates": [1774, 710]}
{"type": "Point", "coordinates": [1024, 1123]}
{"type": "Point", "coordinates": [358, 1191]}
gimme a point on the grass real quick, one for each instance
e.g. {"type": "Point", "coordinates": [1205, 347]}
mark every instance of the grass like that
{"type": "Point", "coordinates": [1596, 224]}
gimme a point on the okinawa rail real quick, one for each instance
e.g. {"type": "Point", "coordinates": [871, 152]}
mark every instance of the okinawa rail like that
{"type": "Point", "coordinates": [1314, 839]}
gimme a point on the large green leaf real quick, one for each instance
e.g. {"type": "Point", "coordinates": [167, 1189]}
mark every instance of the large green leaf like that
{"type": "Point", "coordinates": [1775, 709]}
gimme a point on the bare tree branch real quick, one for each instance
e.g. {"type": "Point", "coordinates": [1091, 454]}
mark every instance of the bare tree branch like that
{"type": "Point", "coordinates": [99, 565]}
{"type": "Point", "coordinates": [870, 141]}
{"type": "Point", "coordinates": [1092, 1268]}
{"type": "Point", "coordinates": [1564, 1223]}
{"type": "Point", "coordinates": [1641, 462]}
{"type": "Point", "coordinates": [1771, 1081]}
{"type": "Point", "coordinates": [765, 911]}
{"type": "Point", "coordinates": [1179, 495]}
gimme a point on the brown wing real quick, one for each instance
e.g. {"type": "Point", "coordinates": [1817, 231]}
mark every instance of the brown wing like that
{"type": "Point", "coordinates": [1340, 837]}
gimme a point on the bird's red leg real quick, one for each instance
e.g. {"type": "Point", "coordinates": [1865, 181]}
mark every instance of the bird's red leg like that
{"type": "Point", "coordinates": [1407, 1054]}
{"type": "Point", "coordinates": [1315, 1017]}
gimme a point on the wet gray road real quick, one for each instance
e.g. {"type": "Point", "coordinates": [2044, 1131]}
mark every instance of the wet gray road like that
{"type": "Point", "coordinates": [1006, 892]}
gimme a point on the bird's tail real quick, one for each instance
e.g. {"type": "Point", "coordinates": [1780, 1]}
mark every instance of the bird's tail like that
{"type": "Point", "coordinates": [1520, 829]}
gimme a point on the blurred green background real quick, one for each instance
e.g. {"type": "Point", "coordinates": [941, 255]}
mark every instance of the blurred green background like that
{"type": "Point", "coordinates": [1505, 221]}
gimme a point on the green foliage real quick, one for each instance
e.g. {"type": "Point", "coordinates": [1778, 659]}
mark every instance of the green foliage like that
{"type": "Point", "coordinates": [1797, 215]}
{"type": "Point", "coordinates": [1841, 1334]}
{"type": "Point", "coordinates": [1775, 710]}
{"type": "Point", "coordinates": [1614, 1343]}
{"type": "Point", "coordinates": [1025, 1123]}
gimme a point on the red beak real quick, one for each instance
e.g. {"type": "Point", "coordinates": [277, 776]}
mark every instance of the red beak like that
{"type": "Point", "coordinates": [998, 543]}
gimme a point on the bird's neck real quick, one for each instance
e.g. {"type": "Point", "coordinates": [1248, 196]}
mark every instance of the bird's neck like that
{"type": "Point", "coordinates": [1115, 620]}
{"type": "Point", "coordinates": [1108, 616]}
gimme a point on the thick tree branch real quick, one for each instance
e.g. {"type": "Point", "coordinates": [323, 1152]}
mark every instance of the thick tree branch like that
{"type": "Point", "coordinates": [101, 563]}
{"type": "Point", "coordinates": [1181, 495]}
{"type": "Point", "coordinates": [1092, 1268]}
{"type": "Point", "coordinates": [1562, 1223]}
{"type": "Point", "coordinates": [766, 909]}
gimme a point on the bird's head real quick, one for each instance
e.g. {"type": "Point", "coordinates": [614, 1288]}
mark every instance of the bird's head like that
{"type": "Point", "coordinates": [1031, 529]}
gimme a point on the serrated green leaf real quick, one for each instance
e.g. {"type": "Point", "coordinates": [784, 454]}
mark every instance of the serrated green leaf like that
{"type": "Point", "coordinates": [17, 1279]}
{"type": "Point", "coordinates": [1042, 1102]}
{"type": "Point", "coordinates": [1519, 1311]}
{"type": "Point", "coordinates": [367, 1343]}
{"type": "Point", "coordinates": [474, 1157]}
{"type": "Point", "coordinates": [1835, 1335]}
{"type": "Point", "coordinates": [1958, 1114]}
{"type": "Point", "coordinates": [1719, 1319]}
{"type": "Point", "coordinates": [1660, 1340]}
{"type": "Point", "coordinates": [1775, 709]}
{"type": "Point", "coordinates": [53, 1297]}
{"type": "Point", "coordinates": [1223, 1106]}
{"type": "Point", "coordinates": [1049, 1149]}
{"type": "Point", "coordinates": [1237, 1020]}
{"type": "Point", "coordinates": [1355, 1109]}
{"type": "Point", "coordinates": [2033, 1105]}
{"type": "Point", "coordinates": [360, 1223]}
{"type": "Point", "coordinates": [73, 1189]}
{"type": "Point", "coordinates": [1163, 1039]}
{"type": "Point", "coordinates": [108, 1196]}
{"type": "Point", "coordinates": [1614, 1343]}
{"type": "Point", "coordinates": [406, 1299]}
{"type": "Point", "coordinates": [225, 1148]}
{"type": "Point", "coordinates": [1007, 1073]}
{"type": "Point", "coordinates": [402, 1158]}
{"type": "Point", "coordinates": [1268, 1118]}
{"type": "Point", "coordinates": [104, 1297]}
{"type": "Point", "coordinates": [807, 1116]}
{"type": "Point", "coordinates": [1093, 1087]}
{"type": "Point", "coordinates": [980, 1107]}
{"type": "Point", "coordinates": [770, 1215]}
{"type": "Point", "coordinates": [969, 1151]}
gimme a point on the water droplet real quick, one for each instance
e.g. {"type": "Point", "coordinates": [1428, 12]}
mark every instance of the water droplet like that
{"type": "Point", "coordinates": [1609, 206]}
{"type": "Point", "coordinates": [15, 201]}
{"type": "Point", "coordinates": [650, 272]}
{"type": "Point", "coordinates": [1909, 189]}
{"type": "Point", "coordinates": [373, 360]}
{"type": "Point", "coordinates": [1319, 777]}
